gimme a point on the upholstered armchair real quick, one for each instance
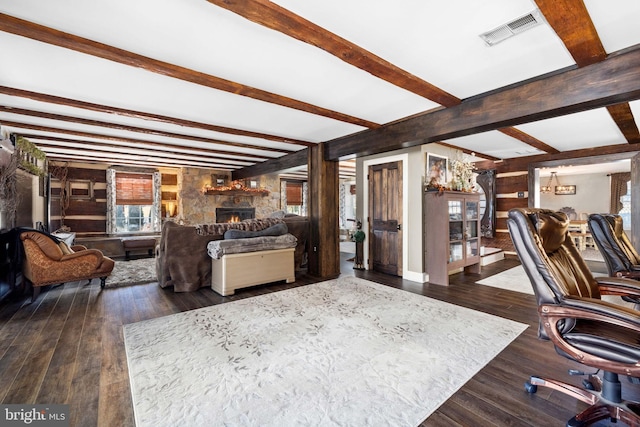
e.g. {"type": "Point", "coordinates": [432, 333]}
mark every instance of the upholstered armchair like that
{"type": "Point", "coordinates": [572, 315]}
{"type": "Point", "coordinates": [621, 257]}
{"type": "Point", "coordinates": [48, 261]}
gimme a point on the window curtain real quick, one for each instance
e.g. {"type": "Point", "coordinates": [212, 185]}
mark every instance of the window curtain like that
{"type": "Point", "coordinates": [618, 189]}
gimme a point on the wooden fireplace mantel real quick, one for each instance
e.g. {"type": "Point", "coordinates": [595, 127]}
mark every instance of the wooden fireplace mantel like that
{"type": "Point", "coordinates": [236, 193]}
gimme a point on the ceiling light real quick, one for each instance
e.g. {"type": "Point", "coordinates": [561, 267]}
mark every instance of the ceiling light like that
{"type": "Point", "coordinates": [559, 188]}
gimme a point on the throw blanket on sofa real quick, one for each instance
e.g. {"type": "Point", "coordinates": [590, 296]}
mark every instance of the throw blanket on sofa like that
{"type": "Point", "coordinates": [218, 248]}
{"type": "Point", "coordinates": [255, 224]}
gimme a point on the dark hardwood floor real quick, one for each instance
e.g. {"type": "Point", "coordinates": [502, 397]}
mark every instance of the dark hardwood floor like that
{"type": "Point", "coordinates": [67, 347]}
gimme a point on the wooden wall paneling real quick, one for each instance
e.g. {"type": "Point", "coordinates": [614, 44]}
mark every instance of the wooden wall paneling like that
{"type": "Point", "coordinates": [169, 179]}
{"type": "Point", "coordinates": [505, 204]}
{"type": "Point", "coordinates": [81, 226]}
{"type": "Point", "coordinates": [87, 204]}
{"type": "Point", "coordinates": [169, 195]}
{"type": "Point", "coordinates": [324, 246]}
{"type": "Point", "coordinates": [95, 175]}
{"type": "Point", "coordinates": [86, 225]}
{"type": "Point", "coordinates": [512, 183]}
{"type": "Point", "coordinates": [100, 194]}
{"type": "Point", "coordinates": [86, 208]}
{"type": "Point", "coordinates": [501, 223]}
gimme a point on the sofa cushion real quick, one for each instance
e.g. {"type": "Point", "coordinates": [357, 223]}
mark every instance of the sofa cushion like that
{"type": "Point", "coordinates": [218, 248]}
{"type": "Point", "coordinates": [255, 224]}
{"type": "Point", "coordinates": [274, 230]}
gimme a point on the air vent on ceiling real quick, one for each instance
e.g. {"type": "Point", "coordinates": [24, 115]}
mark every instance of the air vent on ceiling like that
{"type": "Point", "coordinates": [512, 28]}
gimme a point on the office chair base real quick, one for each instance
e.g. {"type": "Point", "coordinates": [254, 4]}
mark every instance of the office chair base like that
{"type": "Point", "coordinates": [600, 408]}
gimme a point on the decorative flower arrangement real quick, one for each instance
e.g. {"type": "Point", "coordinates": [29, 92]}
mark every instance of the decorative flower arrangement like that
{"type": "Point", "coordinates": [235, 186]}
{"type": "Point", "coordinates": [461, 174]}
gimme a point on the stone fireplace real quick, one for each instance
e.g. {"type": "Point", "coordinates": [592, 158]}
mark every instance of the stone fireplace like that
{"type": "Point", "coordinates": [234, 214]}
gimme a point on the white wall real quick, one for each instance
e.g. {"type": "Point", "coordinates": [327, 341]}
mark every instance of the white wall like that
{"type": "Point", "coordinates": [593, 192]}
{"type": "Point", "coordinates": [413, 170]}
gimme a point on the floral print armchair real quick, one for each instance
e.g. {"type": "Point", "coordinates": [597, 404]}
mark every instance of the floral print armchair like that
{"type": "Point", "coordinates": [47, 261]}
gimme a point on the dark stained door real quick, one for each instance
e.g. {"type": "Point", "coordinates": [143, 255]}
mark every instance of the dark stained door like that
{"type": "Point", "coordinates": [385, 214]}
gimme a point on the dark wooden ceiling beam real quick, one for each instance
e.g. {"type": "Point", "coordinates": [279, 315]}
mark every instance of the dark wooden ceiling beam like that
{"type": "Point", "coordinates": [623, 116]}
{"type": "Point", "coordinates": [570, 19]}
{"type": "Point", "coordinates": [467, 151]}
{"type": "Point", "coordinates": [136, 129]}
{"type": "Point", "coordinates": [280, 164]}
{"type": "Point", "coordinates": [55, 37]}
{"type": "Point", "coordinates": [580, 156]}
{"type": "Point", "coordinates": [605, 83]}
{"type": "Point", "coordinates": [528, 139]}
{"type": "Point", "coordinates": [609, 82]}
{"type": "Point", "coordinates": [271, 15]}
{"type": "Point", "coordinates": [98, 152]}
{"type": "Point", "coordinates": [166, 152]}
{"type": "Point", "coordinates": [68, 102]}
{"type": "Point", "coordinates": [90, 159]}
{"type": "Point", "coordinates": [81, 134]}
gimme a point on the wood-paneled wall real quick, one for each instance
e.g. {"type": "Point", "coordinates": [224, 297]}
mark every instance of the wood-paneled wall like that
{"type": "Point", "coordinates": [86, 213]}
{"type": "Point", "coordinates": [511, 192]}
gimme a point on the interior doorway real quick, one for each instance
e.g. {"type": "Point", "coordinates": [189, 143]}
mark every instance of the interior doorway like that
{"type": "Point", "coordinates": [385, 218]}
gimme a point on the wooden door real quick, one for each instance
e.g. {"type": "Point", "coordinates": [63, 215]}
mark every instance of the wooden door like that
{"type": "Point", "coordinates": [385, 215]}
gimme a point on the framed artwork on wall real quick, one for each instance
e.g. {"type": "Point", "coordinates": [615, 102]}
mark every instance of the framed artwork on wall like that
{"type": "Point", "coordinates": [436, 171]}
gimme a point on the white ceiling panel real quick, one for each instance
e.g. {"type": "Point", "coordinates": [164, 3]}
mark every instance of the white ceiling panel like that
{"type": "Point", "coordinates": [617, 29]}
{"type": "Point", "coordinates": [588, 129]}
{"type": "Point", "coordinates": [152, 125]}
{"type": "Point", "coordinates": [437, 41]}
{"type": "Point", "coordinates": [494, 144]}
{"type": "Point", "coordinates": [87, 78]}
{"type": "Point", "coordinates": [233, 48]}
{"type": "Point", "coordinates": [442, 44]}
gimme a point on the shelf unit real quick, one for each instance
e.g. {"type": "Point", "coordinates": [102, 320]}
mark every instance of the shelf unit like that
{"type": "Point", "coordinates": [452, 234]}
{"type": "Point", "coordinates": [169, 195]}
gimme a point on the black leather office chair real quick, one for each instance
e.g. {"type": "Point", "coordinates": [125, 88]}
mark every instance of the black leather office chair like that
{"type": "Point", "coordinates": [582, 327]}
{"type": "Point", "coordinates": [614, 245]}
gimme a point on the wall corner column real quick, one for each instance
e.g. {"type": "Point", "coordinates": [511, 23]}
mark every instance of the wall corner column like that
{"type": "Point", "coordinates": [324, 247]}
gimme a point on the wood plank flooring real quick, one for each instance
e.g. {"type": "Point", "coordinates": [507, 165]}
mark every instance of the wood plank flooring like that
{"type": "Point", "coordinates": [68, 347]}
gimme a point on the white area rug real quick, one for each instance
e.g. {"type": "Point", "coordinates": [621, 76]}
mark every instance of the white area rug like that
{"type": "Point", "coordinates": [134, 272]}
{"type": "Point", "coordinates": [513, 279]}
{"type": "Point", "coordinates": [342, 352]}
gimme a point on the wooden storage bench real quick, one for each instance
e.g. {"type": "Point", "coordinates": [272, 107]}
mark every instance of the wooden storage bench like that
{"type": "Point", "coordinates": [138, 243]}
{"type": "Point", "coordinates": [235, 271]}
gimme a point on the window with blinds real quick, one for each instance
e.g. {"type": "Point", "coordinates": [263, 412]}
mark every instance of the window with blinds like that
{"type": "Point", "coordinates": [134, 202]}
{"type": "Point", "coordinates": [294, 193]}
{"type": "Point", "coordinates": [134, 189]}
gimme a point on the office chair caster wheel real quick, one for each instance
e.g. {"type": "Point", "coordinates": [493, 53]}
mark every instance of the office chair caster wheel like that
{"type": "Point", "coordinates": [530, 388]}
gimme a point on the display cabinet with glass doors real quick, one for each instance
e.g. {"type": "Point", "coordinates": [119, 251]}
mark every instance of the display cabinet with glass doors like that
{"type": "Point", "coordinates": [451, 234]}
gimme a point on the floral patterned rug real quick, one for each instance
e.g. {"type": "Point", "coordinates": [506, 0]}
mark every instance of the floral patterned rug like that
{"type": "Point", "coordinates": [341, 352]}
{"type": "Point", "coordinates": [134, 272]}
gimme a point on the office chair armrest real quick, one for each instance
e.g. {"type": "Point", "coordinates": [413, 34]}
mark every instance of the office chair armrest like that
{"type": "Point", "coordinates": [618, 286]}
{"type": "Point", "coordinates": [632, 274]}
{"type": "Point", "coordinates": [594, 310]}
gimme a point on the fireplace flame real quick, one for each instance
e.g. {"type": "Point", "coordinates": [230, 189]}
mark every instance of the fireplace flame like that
{"type": "Point", "coordinates": [234, 218]}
